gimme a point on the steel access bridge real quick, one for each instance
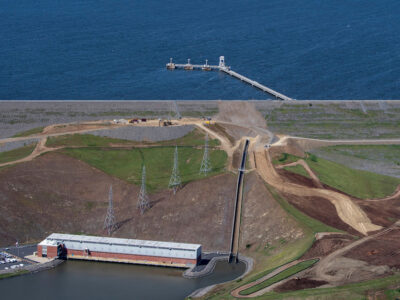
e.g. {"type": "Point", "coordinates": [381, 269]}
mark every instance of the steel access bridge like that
{"type": "Point", "coordinates": [226, 69]}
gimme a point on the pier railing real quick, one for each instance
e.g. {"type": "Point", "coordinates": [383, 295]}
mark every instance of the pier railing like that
{"type": "Point", "coordinates": [222, 67]}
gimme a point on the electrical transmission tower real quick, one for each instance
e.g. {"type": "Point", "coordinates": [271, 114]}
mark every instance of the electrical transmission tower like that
{"type": "Point", "coordinates": [143, 201]}
{"type": "Point", "coordinates": [175, 180]}
{"type": "Point", "coordinates": [205, 164]}
{"type": "Point", "coordinates": [109, 222]}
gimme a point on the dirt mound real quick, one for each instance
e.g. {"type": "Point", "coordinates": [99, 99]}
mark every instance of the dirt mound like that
{"type": "Point", "coordinates": [327, 245]}
{"type": "Point", "coordinates": [263, 219]}
{"type": "Point", "coordinates": [383, 250]}
{"type": "Point", "coordinates": [383, 213]}
{"type": "Point", "coordinates": [56, 193]}
{"type": "Point", "coordinates": [241, 113]}
{"type": "Point", "coordinates": [296, 178]}
{"type": "Point", "coordinates": [299, 284]}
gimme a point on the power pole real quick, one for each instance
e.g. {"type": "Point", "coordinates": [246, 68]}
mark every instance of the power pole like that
{"type": "Point", "coordinates": [175, 180]}
{"type": "Point", "coordinates": [143, 201]}
{"type": "Point", "coordinates": [109, 222]}
{"type": "Point", "coordinates": [205, 164]}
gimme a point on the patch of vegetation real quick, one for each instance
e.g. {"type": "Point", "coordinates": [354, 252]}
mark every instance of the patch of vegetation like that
{"type": "Point", "coordinates": [357, 183]}
{"type": "Point", "coordinates": [283, 254]}
{"type": "Point", "coordinates": [127, 164]}
{"type": "Point", "coordinates": [299, 169]}
{"type": "Point", "coordinates": [29, 132]}
{"type": "Point", "coordinates": [280, 276]}
{"type": "Point", "coordinates": [388, 153]}
{"type": "Point", "coordinates": [83, 140]}
{"type": "Point", "coordinates": [193, 138]}
{"type": "Point", "coordinates": [17, 273]}
{"type": "Point", "coordinates": [285, 158]}
{"type": "Point", "coordinates": [16, 154]}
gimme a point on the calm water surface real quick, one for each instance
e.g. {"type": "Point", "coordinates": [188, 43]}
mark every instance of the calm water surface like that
{"type": "Point", "coordinates": [90, 280]}
{"type": "Point", "coordinates": [102, 49]}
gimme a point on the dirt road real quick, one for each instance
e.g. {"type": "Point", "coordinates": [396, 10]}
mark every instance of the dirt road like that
{"type": "Point", "coordinates": [322, 268]}
{"type": "Point", "coordinates": [347, 210]}
{"type": "Point", "coordinates": [39, 149]}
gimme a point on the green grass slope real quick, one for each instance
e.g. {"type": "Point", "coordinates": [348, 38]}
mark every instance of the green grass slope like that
{"type": "Point", "coordinates": [16, 153]}
{"type": "Point", "coordinates": [193, 138]}
{"type": "Point", "coordinates": [280, 276]}
{"type": "Point", "coordinates": [357, 183]}
{"type": "Point", "coordinates": [360, 184]}
{"type": "Point", "coordinates": [127, 164]}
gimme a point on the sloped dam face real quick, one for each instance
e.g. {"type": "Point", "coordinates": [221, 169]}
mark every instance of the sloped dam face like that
{"type": "Point", "coordinates": [92, 280]}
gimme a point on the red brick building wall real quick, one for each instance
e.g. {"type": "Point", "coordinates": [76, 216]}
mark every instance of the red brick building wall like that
{"type": "Point", "coordinates": [156, 259]}
{"type": "Point", "coordinates": [51, 251]}
{"type": "Point", "coordinates": [39, 251]}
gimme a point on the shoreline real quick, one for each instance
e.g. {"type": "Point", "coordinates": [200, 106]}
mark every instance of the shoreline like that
{"type": "Point", "coordinates": [30, 269]}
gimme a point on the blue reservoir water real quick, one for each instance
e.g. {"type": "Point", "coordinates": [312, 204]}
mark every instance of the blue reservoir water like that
{"type": "Point", "coordinates": [103, 49]}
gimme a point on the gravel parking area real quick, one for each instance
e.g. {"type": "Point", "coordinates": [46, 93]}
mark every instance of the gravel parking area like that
{"type": "Point", "coordinates": [18, 144]}
{"type": "Point", "coordinates": [149, 134]}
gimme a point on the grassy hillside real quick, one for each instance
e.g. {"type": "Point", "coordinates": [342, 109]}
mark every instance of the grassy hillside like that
{"type": "Point", "coordinates": [193, 138]}
{"type": "Point", "coordinates": [83, 140]}
{"type": "Point", "coordinates": [280, 276]}
{"type": "Point", "coordinates": [126, 164]}
{"type": "Point", "coordinates": [299, 169]}
{"type": "Point", "coordinates": [16, 153]}
{"type": "Point", "coordinates": [360, 184]}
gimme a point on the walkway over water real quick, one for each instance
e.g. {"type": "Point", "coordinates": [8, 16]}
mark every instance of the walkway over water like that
{"type": "Point", "coordinates": [222, 67]}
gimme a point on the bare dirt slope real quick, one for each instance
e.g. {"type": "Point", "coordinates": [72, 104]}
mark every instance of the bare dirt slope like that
{"type": "Point", "coordinates": [56, 193]}
{"type": "Point", "coordinates": [240, 113]}
{"type": "Point", "coordinates": [263, 219]}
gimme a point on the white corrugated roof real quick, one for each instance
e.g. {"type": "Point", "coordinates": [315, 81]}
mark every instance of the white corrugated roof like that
{"type": "Point", "coordinates": [114, 241]}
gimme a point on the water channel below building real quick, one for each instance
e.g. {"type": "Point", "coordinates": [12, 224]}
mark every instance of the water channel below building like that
{"type": "Point", "coordinates": [94, 280]}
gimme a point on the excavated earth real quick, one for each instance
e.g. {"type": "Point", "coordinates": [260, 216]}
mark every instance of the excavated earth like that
{"type": "Point", "coordinates": [383, 250]}
{"type": "Point", "coordinates": [299, 284]}
{"type": "Point", "coordinates": [327, 245]}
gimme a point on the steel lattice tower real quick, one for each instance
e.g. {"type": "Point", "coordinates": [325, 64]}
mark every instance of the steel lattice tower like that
{"type": "Point", "coordinates": [175, 180]}
{"type": "Point", "coordinates": [109, 222]}
{"type": "Point", "coordinates": [143, 200]}
{"type": "Point", "coordinates": [205, 164]}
